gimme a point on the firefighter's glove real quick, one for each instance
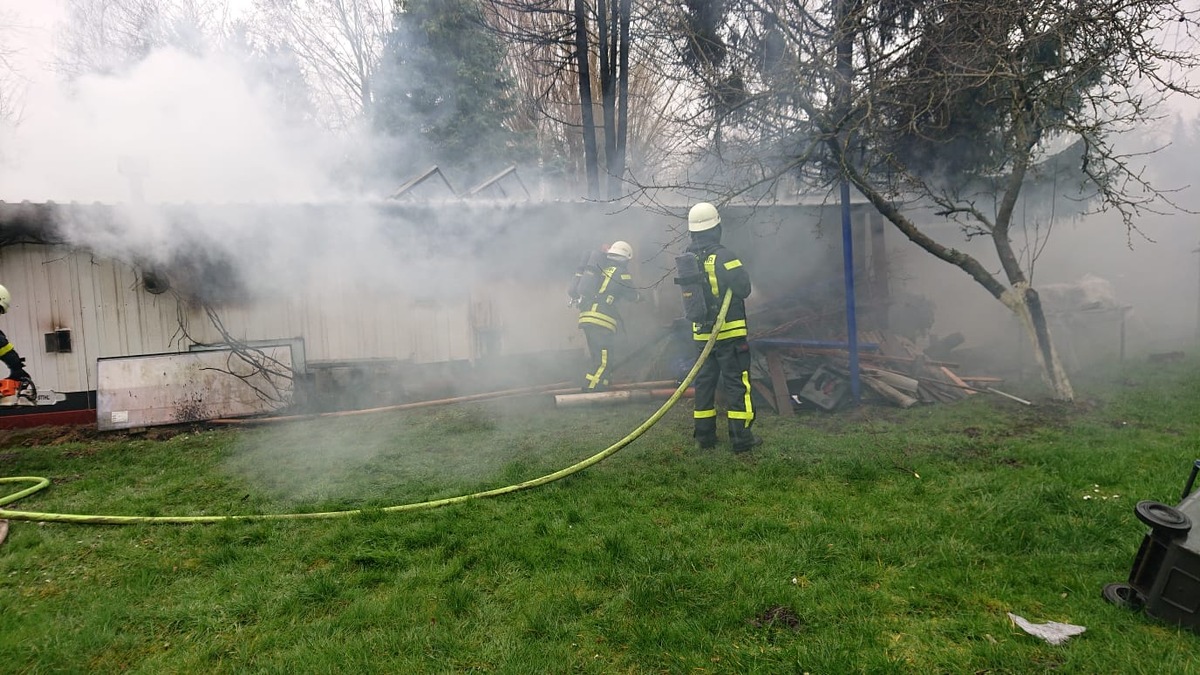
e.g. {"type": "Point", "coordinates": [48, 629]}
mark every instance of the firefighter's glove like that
{"type": "Point", "coordinates": [17, 372]}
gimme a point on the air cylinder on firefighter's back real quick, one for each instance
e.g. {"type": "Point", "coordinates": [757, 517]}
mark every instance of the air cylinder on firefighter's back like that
{"type": "Point", "coordinates": [573, 291]}
{"type": "Point", "coordinates": [691, 284]}
{"type": "Point", "coordinates": [587, 282]}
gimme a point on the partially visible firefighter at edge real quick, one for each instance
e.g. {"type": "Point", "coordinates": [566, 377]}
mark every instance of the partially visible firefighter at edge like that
{"type": "Point", "coordinates": [600, 284]}
{"type": "Point", "coordinates": [18, 388]}
{"type": "Point", "coordinates": [728, 366]}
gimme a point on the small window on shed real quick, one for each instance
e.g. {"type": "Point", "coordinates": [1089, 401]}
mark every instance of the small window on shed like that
{"type": "Point", "coordinates": [59, 341]}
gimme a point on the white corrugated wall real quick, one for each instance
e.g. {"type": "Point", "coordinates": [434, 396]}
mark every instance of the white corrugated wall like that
{"type": "Point", "coordinates": [109, 313]}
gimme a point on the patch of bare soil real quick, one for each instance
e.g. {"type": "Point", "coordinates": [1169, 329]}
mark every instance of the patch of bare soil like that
{"type": "Point", "coordinates": [82, 433]}
{"type": "Point", "coordinates": [48, 435]}
{"type": "Point", "coordinates": [778, 617]}
{"type": "Point", "coordinates": [1045, 415]}
{"type": "Point", "coordinates": [850, 417]}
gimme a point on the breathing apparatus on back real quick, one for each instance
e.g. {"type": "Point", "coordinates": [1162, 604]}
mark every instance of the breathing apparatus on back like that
{"type": "Point", "coordinates": [692, 281]}
{"type": "Point", "coordinates": [588, 277]}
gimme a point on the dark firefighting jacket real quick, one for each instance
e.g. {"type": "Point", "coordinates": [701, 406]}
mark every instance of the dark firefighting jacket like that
{"type": "Point", "coordinates": [601, 309]}
{"type": "Point", "coordinates": [722, 270]}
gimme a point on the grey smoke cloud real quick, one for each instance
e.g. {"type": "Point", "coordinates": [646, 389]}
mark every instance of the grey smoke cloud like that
{"type": "Point", "coordinates": [227, 175]}
{"type": "Point", "coordinates": [198, 129]}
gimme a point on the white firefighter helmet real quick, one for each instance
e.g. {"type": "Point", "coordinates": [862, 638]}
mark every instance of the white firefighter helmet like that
{"type": "Point", "coordinates": [5, 298]}
{"type": "Point", "coordinates": [620, 250]}
{"type": "Point", "coordinates": [703, 216]}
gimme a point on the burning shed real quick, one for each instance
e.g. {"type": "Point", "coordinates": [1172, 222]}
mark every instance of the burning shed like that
{"type": "Point", "coordinates": [376, 302]}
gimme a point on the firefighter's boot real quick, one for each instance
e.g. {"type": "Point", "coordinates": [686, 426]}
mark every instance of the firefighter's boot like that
{"type": "Point", "coordinates": [741, 438]}
{"type": "Point", "coordinates": [706, 433]}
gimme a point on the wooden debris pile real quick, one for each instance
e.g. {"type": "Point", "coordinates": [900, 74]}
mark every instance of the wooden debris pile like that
{"type": "Point", "coordinates": [892, 369]}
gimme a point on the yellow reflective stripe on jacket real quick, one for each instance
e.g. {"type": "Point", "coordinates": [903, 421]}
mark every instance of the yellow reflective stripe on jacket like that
{"type": "Point", "coordinates": [608, 272]}
{"type": "Point", "coordinates": [597, 318]}
{"type": "Point", "coordinates": [733, 264]}
{"type": "Point", "coordinates": [594, 315]}
{"type": "Point", "coordinates": [729, 329]}
{"type": "Point", "coordinates": [710, 268]}
{"type": "Point", "coordinates": [6, 349]}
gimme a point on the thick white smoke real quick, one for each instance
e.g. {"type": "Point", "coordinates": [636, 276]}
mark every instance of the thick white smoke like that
{"type": "Point", "coordinates": [188, 128]}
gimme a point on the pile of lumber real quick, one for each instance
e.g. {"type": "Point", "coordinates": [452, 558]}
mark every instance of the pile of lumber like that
{"type": "Point", "coordinates": [903, 375]}
{"type": "Point", "coordinates": [891, 368]}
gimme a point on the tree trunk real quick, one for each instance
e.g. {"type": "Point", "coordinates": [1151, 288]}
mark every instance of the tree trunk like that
{"type": "Point", "coordinates": [591, 162]}
{"type": "Point", "coordinates": [1021, 299]}
{"type": "Point", "coordinates": [616, 181]}
{"type": "Point", "coordinates": [1024, 301]}
{"type": "Point", "coordinates": [607, 37]}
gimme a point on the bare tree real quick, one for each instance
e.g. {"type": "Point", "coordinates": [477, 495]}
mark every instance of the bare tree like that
{"type": "Point", "coordinates": [271, 380]}
{"type": "Point", "coordinates": [950, 110]}
{"type": "Point", "coordinates": [562, 52]}
{"type": "Point", "coordinates": [338, 42]}
{"type": "Point", "coordinates": [9, 77]}
{"type": "Point", "coordinates": [105, 36]}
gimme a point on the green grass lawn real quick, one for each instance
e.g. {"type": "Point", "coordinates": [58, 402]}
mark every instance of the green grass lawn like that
{"type": "Point", "coordinates": [871, 540]}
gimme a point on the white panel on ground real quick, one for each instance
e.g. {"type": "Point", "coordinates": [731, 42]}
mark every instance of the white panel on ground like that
{"type": "Point", "coordinates": [142, 391]}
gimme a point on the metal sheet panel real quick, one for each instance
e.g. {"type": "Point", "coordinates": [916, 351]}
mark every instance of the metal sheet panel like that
{"type": "Point", "coordinates": [142, 391]}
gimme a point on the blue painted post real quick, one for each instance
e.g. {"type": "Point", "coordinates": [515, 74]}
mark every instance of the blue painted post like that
{"type": "Point", "coordinates": [848, 271]}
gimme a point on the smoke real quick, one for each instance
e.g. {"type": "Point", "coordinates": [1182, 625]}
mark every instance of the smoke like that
{"type": "Point", "coordinates": [186, 128]}
{"type": "Point", "coordinates": [197, 161]}
{"type": "Point", "coordinates": [1089, 265]}
{"type": "Point", "coordinates": [188, 164]}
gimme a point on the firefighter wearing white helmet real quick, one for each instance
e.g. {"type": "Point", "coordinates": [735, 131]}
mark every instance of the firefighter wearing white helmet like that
{"type": "Point", "coordinates": [600, 287]}
{"type": "Point", "coordinates": [620, 251]}
{"type": "Point", "coordinates": [728, 365]}
{"type": "Point", "coordinates": [703, 217]}
{"type": "Point", "coordinates": [18, 388]}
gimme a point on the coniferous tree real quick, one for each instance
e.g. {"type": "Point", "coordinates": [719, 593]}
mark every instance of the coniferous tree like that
{"type": "Point", "coordinates": [443, 89]}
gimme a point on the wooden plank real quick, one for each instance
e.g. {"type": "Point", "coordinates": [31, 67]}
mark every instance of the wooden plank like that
{"type": "Point", "coordinates": [783, 402]}
{"type": "Point", "coordinates": [890, 393]}
{"type": "Point", "coordinates": [863, 356]}
{"type": "Point", "coordinates": [899, 381]}
{"type": "Point", "coordinates": [956, 380]}
{"type": "Point", "coordinates": [938, 391]}
{"type": "Point", "coordinates": [765, 391]}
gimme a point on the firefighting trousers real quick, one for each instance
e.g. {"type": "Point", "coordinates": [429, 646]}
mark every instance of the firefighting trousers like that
{"type": "Point", "coordinates": [727, 369]}
{"type": "Point", "coordinates": [600, 342]}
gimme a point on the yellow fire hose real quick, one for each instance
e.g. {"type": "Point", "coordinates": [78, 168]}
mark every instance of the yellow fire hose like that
{"type": "Point", "coordinates": [40, 483]}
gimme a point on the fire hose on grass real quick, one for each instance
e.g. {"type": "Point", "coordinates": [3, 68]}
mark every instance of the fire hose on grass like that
{"type": "Point", "coordinates": [40, 483]}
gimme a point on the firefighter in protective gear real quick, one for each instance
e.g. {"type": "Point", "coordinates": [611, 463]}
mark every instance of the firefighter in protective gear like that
{"type": "Point", "coordinates": [22, 391]}
{"type": "Point", "coordinates": [599, 318]}
{"type": "Point", "coordinates": [728, 366]}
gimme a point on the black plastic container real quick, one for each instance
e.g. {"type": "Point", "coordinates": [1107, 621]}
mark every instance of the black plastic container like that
{"type": "Point", "coordinates": [1165, 578]}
